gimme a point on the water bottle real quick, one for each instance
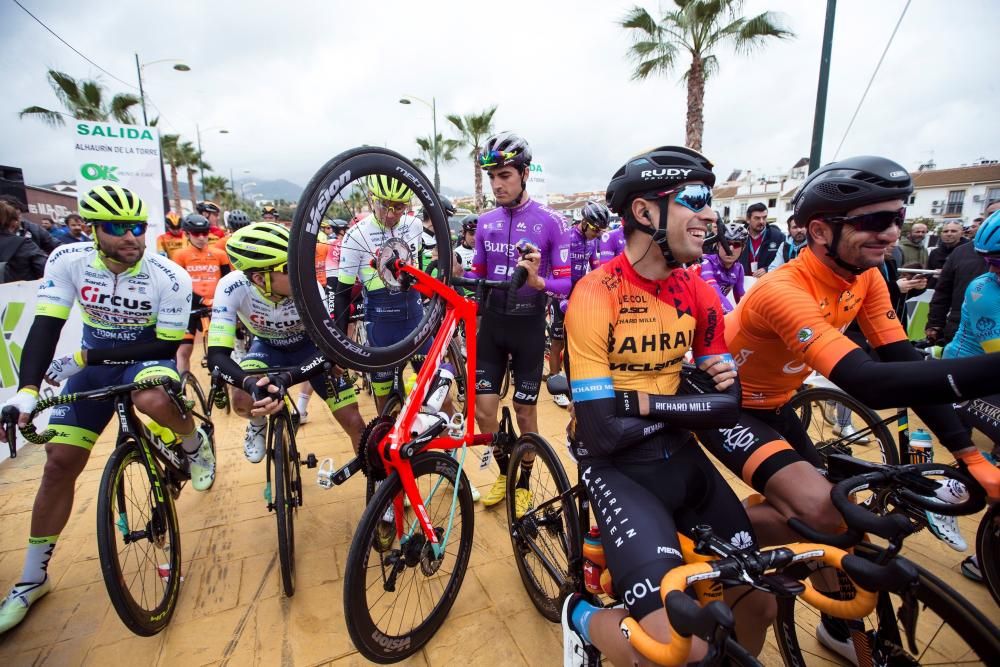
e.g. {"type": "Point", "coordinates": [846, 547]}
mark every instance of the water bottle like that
{"type": "Point", "coordinates": [921, 447]}
{"type": "Point", "coordinates": [438, 389]}
{"type": "Point", "coordinates": [593, 560]}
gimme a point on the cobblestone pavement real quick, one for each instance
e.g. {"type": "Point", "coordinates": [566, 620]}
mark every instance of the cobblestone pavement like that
{"type": "Point", "coordinates": [230, 609]}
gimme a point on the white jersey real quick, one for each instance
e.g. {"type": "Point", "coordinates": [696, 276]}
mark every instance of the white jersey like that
{"type": "Point", "coordinates": [277, 324]}
{"type": "Point", "coordinates": [465, 256]}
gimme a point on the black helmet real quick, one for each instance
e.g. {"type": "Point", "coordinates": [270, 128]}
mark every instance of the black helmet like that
{"type": "Point", "coordinates": [194, 222]}
{"type": "Point", "coordinates": [732, 231]}
{"type": "Point", "coordinates": [596, 214]}
{"type": "Point", "coordinates": [238, 220]}
{"type": "Point", "coordinates": [338, 224]}
{"type": "Point", "coordinates": [469, 222]}
{"type": "Point", "coordinates": [446, 205]}
{"type": "Point", "coordinates": [659, 169]}
{"type": "Point", "coordinates": [505, 149]}
{"type": "Point", "coordinates": [838, 187]}
{"type": "Point", "coordinates": [205, 207]}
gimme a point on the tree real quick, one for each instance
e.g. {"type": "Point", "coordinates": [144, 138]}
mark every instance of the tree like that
{"type": "Point", "coordinates": [445, 153]}
{"type": "Point", "coordinates": [173, 155]}
{"type": "Point", "coordinates": [84, 100]}
{"type": "Point", "coordinates": [697, 27]}
{"type": "Point", "coordinates": [213, 187]}
{"type": "Point", "coordinates": [474, 128]}
{"type": "Point", "coordinates": [193, 161]}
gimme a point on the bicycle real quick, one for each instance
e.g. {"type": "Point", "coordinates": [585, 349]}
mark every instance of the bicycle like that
{"type": "Point", "coordinates": [138, 535]}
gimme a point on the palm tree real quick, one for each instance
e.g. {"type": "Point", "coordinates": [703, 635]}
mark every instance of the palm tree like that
{"type": "Point", "coordinates": [193, 162]}
{"type": "Point", "coordinates": [697, 27]}
{"type": "Point", "coordinates": [474, 128]}
{"type": "Point", "coordinates": [84, 100]}
{"type": "Point", "coordinates": [445, 153]}
{"type": "Point", "coordinates": [173, 154]}
{"type": "Point", "coordinates": [213, 186]}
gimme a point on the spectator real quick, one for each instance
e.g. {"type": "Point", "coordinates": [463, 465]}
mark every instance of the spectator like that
{"type": "Point", "coordinates": [30, 230]}
{"type": "Point", "coordinates": [969, 229]}
{"type": "Point", "coordinates": [791, 246]}
{"type": "Point", "coordinates": [74, 230]}
{"type": "Point", "coordinates": [47, 224]}
{"type": "Point", "coordinates": [763, 243]}
{"type": "Point", "coordinates": [913, 248]}
{"type": "Point", "coordinates": [961, 267]}
{"type": "Point", "coordinates": [951, 238]}
{"type": "Point", "coordinates": [20, 257]}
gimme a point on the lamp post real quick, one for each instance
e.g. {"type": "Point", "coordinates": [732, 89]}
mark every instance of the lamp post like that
{"type": "Point", "coordinates": [407, 99]}
{"type": "Point", "coordinates": [201, 162]}
{"type": "Point", "coordinates": [180, 67]}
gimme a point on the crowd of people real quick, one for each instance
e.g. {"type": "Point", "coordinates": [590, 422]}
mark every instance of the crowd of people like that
{"type": "Point", "coordinates": [642, 281]}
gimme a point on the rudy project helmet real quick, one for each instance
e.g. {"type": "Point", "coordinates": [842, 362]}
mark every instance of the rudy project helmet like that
{"type": "Point", "coordinates": [659, 169]}
{"type": "Point", "coordinates": [388, 188]}
{"type": "Point", "coordinates": [838, 187]}
{"type": "Point", "coordinates": [237, 220]}
{"type": "Point", "coordinates": [503, 150]}
{"type": "Point", "coordinates": [733, 232]}
{"type": "Point", "coordinates": [194, 222]}
{"type": "Point", "coordinates": [112, 203]}
{"type": "Point", "coordinates": [173, 221]}
{"type": "Point", "coordinates": [206, 207]}
{"type": "Point", "coordinates": [258, 247]}
{"type": "Point", "coordinates": [596, 214]}
{"type": "Point", "coordinates": [987, 239]}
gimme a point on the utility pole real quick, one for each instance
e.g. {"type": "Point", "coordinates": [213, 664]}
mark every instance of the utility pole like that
{"type": "Point", "coordinates": [145, 121]}
{"type": "Point", "coordinates": [819, 119]}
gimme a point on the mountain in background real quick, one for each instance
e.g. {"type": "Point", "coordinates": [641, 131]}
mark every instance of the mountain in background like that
{"type": "Point", "coordinates": [277, 189]}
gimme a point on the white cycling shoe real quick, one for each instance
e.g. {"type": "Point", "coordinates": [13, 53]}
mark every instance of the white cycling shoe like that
{"type": "Point", "coordinates": [848, 432]}
{"type": "Point", "coordinates": [254, 443]}
{"type": "Point", "coordinates": [203, 464]}
{"type": "Point", "coordinates": [15, 606]}
{"type": "Point", "coordinates": [946, 529]}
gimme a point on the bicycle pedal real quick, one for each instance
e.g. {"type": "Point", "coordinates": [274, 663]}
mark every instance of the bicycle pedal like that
{"type": "Point", "coordinates": [310, 460]}
{"type": "Point", "coordinates": [325, 474]}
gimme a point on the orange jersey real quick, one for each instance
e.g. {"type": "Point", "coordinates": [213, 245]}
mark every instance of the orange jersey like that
{"type": "Point", "coordinates": [169, 245]}
{"type": "Point", "coordinates": [792, 321]}
{"type": "Point", "coordinates": [220, 243]}
{"type": "Point", "coordinates": [321, 249]}
{"type": "Point", "coordinates": [205, 268]}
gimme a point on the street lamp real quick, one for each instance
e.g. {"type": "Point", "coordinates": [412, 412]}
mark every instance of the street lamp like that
{"type": "Point", "coordinates": [243, 188]}
{"type": "Point", "coordinates": [180, 67]}
{"type": "Point", "coordinates": [407, 99]}
{"type": "Point", "coordinates": [201, 161]}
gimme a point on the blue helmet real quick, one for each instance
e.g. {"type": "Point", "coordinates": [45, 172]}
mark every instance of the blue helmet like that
{"type": "Point", "coordinates": [987, 239]}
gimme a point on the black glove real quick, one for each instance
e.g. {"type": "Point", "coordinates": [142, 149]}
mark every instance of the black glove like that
{"type": "Point", "coordinates": [695, 381]}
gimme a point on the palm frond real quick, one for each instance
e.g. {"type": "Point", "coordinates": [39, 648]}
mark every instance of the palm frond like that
{"type": "Point", "coordinates": [47, 116]}
{"type": "Point", "coordinates": [756, 30]}
{"type": "Point", "coordinates": [638, 18]}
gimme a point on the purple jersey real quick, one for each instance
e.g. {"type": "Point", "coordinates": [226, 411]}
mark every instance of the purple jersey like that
{"type": "Point", "coordinates": [610, 245]}
{"type": "Point", "coordinates": [500, 233]}
{"type": "Point", "coordinates": [723, 280]}
{"type": "Point", "coordinates": [582, 254]}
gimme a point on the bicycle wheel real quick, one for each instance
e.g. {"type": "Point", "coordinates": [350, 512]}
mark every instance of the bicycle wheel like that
{"type": "Point", "coordinates": [339, 190]}
{"type": "Point", "coordinates": [287, 486]}
{"type": "Point", "coordinates": [988, 550]}
{"type": "Point", "coordinates": [820, 409]}
{"type": "Point", "coordinates": [455, 357]}
{"type": "Point", "coordinates": [396, 599]}
{"type": "Point", "coordinates": [505, 382]}
{"type": "Point", "coordinates": [138, 541]}
{"type": "Point", "coordinates": [546, 539]}
{"type": "Point", "coordinates": [948, 630]}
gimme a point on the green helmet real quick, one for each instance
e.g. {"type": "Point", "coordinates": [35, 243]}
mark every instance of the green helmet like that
{"type": "Point", "coordinates": [388, 188]}
{"type": "Point", "coordinates": [112, 203]}
{"type": "Point", "coordinates": [258, 247]}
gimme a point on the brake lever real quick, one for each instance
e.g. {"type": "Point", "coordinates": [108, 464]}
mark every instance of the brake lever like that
{"type": "Point", "coordinates": [9, 418]}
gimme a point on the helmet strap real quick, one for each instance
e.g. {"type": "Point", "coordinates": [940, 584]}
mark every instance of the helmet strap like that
{"type": "Point", "coordinates": [659, 235]}
{"type": "Point", "coordinates": [831, 252]}
{"type": "Point", "coordinates": [524, 184]}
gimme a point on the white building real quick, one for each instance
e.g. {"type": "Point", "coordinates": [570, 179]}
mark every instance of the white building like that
{"type": "Point", "coordinates": [958, 194]}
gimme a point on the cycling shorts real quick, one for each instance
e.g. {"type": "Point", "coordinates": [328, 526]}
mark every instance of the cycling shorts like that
{"type": "Point", "coordinates": [982, 414]}
{"type": "Point", "coordinates": [641, 507]}
{"type": "Point", "coordinates": [262, 355]}
{"type": "Point", "coordinates": [523, 339]}
{"type": "Point", "coordinates": [558, 329]}
{"type": "Point", "coordinates": [383, 334]}
{"type": "Point", "coordinates": [763, 442]}
{"type": "Point", "coordinates": [80, 424]}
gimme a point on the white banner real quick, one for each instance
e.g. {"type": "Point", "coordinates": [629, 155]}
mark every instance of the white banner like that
{"type": "Point", "coordinates": [536, 183]}
{"type": "Point", "coordinates": [125, 155]}
{"type": "Point", "coordinates": [17, 312]}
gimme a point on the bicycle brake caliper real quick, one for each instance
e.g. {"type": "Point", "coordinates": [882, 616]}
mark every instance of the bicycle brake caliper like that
{"type": "Point", "coordinates": [908, 612]}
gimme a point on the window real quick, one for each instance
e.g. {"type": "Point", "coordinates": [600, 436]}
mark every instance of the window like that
{"type": "Point", "coordinates": [992, 194]}
{"type": "Point", "coordinates": [725, 213]}
{"type": "Point", "coordinates": [788, 205]}
{"type": "Point", "coordinates": [743, 209]}
{"type": "Point", "coordinates": [955, 200]}
{"type": "Point", "coordinates": [912, 200]}
{"type": "Point", "coordinates": [772, 202]}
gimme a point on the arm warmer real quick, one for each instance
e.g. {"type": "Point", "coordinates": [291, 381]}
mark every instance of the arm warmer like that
{"type": "Point", "coordinates": [603, 433]}
{"type": "Point", "coordinates": [39, 349]}
{"type": "Point", "coordinates": [694, 412]}
{"type": "Point", "coordinates": [219, 357]}
{"type": "Point", "coordinates": [882, 385]}
{"type": "Point", "coordinates": [131, 354]}
{"type": "Point", "coordinates": [342, 304]}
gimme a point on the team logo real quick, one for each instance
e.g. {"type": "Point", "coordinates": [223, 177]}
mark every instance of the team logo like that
{"type": "Point", "coordinates": [564, 254]}
{"type": "Point", "coordinates": [891, 314]}
{"type": "Point", "coordinates": [805, 333]}
{"type": "Point", "coordinates": [741, 540]}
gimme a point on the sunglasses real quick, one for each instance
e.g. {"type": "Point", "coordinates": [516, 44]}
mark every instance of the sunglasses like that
{"type": "Point", "coordinates": [391, 208]}
{"type": "Point", "coordinates": [123, 228]}
{"type": "Point", "coordinates": [495, 158]}
{"type": "Point", "coordinates": [878, 221]}
{"type": "Point", "coordinates": [198, 233]}
{"type": "Point", "coordinates": [586, 224]}
{"type": "Point", "coordinates": [695, 197]}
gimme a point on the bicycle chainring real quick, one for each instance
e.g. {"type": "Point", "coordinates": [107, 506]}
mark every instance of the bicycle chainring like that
{"type": "Point", "coordinates": [371, 461]}
{"type": "Point", "coordinates": [392, 249]}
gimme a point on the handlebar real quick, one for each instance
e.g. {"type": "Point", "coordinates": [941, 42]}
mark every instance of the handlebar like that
{"type": "Point", "coordinates": [8, 418]}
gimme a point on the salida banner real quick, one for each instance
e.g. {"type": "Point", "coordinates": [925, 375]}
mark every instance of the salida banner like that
{"type": "Point", "coordinates": [17, 312]}
{"type": "Point", "coordinates": [125, 155]}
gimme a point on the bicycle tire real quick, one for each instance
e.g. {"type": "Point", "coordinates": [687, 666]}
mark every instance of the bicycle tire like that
{"type": "Point", "coordinates": [546, 566]}
{"type": "Point", "coordinates": [455, 357]}
{"type": "Point", "coordinates": [385, 640]}
{"type": "Point", "coordinates": [964, 623]}
{"type": "Point", "coordinates": [347, 168]}
{"type": "Point", "coordinates": [988, 550]}
{"type": "Point", "coordinates": [803, 401]}
{"type": "Point", "coordinates": [116, 510]}
{"type": "Point", "coordinates": [285, 500]}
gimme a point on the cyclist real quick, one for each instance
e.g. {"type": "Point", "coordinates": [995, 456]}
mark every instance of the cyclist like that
{"type": "Point", "coordinates": [258, 293]}
{"type": "Point", "coordinates": [134, 307]}
{"type": "Point", "coordinates": [583, 256]}
{"type": "Point", "coordinates": [237, 220]}
{"type": "Point", "coordinates": [514, 327]}
{"type": "Point", "coordinates": [213, 214]}
{"type": "Point", "coordinates": [611, 244]}
{"type": "Point", "coordinates": [465, 251]}
{"type": "Point", "coordinates": [206, 264]}
{"type": "Point", "coordinates": [268, 213]}
{"type": "Point", "coordinates": [428, 242]}
{"type": "Point", "coordinates": [390, 315]}
{"type": "Point", "coordinates": [723, 270]}
{"type": "Point", "coordinates": [629, 325]}
{"type": "Point", "coordinates": [172, 241]}
{"type": "Point", "coordinates": [792, 321]}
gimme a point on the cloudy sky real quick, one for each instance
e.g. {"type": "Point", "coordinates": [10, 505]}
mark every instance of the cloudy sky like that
{"type": "Point", "coordinates": [296, 82]}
